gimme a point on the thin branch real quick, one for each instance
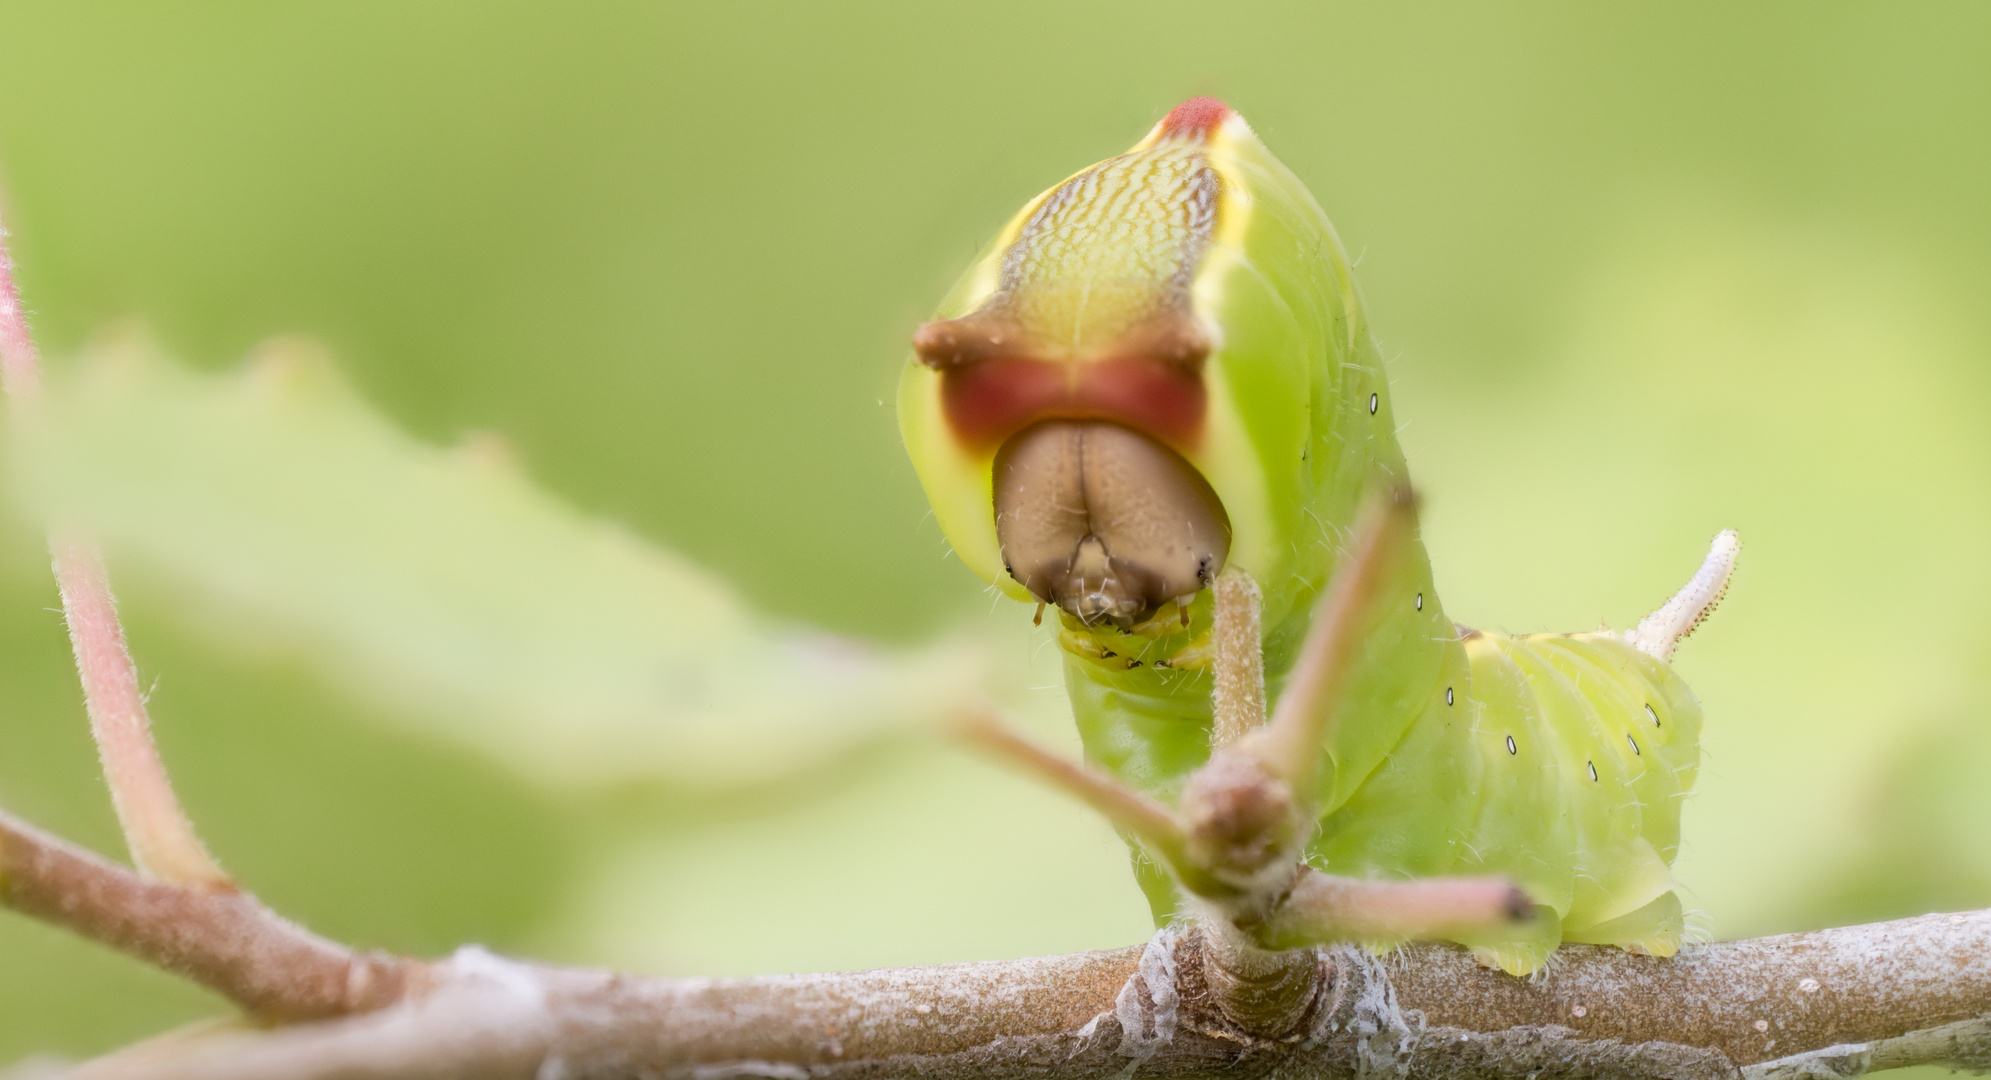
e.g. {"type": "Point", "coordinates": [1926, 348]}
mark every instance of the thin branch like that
{"type": "Point", "coordinates": [1886, 995]}
{"type": "Point", "coordinates": [1323, 908]}
{"type": "Point", "coordinates": [1291, 744]}
{"type": "Point", "coordinates": [161, 838]}
{"type": "Point", "coordinates": [20, 365]}
{"type": "Point", "coordinates": [1126, 808]}
{"type": "Point", "coordinates": [1237, 693]}
{"type": "Point", "coordinates": [218, 937]}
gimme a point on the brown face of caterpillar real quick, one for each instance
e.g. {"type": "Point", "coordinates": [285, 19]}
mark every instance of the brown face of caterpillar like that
{"type": "Point", "coordinates": [1104, 522]}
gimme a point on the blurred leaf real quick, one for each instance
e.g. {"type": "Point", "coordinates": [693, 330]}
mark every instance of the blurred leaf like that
{"type": "Point", "coordinates": [445, 585]}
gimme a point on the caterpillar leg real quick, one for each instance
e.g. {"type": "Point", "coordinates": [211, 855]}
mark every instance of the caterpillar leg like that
{"type": "Point", "coordinates": [1158, 887]}
{"type": "Point", "coordinates": [1656, 929]}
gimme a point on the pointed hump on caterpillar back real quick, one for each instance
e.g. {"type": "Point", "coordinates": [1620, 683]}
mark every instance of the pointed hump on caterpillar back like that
{"type": "Point", "coordinates": [1195, 120]}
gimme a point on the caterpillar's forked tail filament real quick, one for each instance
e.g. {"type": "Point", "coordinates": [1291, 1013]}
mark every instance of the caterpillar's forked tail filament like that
{"type": "Point", "coordinates": [1658, 633]}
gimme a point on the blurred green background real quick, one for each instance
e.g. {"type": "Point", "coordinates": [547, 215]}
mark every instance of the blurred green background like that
{"type": "Point", "coordinates": [1642, 272]}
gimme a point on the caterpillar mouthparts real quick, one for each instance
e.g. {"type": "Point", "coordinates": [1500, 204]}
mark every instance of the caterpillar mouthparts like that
{"type": "Point", "coordinates": [1105, 522]}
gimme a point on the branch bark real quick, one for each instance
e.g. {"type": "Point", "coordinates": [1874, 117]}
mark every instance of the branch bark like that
{"type": "Point", "coordinates": [217, 936]}
{"type": "Point", "coordinates": [1828, 1003]}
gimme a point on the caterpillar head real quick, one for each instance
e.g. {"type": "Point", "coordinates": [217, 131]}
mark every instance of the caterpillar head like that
{"type": "Point", "coordinates": [1105, 522]}
{"type": "Point", "coordinates": [1116, 399]}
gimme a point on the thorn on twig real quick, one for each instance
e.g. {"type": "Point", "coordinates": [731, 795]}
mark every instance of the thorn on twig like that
{"type": "Point", "coordinates": [1238, 689]}
{"type": "Point", "coordinates": [1291, 743]}
{"type": "Point", "coordinates": [1322, 909]}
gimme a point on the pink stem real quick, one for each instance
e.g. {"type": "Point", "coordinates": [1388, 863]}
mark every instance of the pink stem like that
{"type": "Point", "coordinates": [20, 368]}
{"type": "Point", "coordinates": [162, 840]}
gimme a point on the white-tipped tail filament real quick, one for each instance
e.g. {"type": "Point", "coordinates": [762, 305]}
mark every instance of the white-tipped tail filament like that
{"type": "Point", "coordinates": [1658, 633]}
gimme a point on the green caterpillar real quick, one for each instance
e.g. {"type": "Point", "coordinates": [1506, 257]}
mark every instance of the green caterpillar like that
{"type": "Point", "coordinates": [1160, 368]}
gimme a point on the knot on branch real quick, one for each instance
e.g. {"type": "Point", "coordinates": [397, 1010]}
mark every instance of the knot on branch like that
{"type": "Point", "coordinates": [1240, 821]}
{"type": "Point", "coordinates": [1200, 1000]}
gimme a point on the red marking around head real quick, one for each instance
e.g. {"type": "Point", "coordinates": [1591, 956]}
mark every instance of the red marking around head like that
{"type": "Point", "coordinates": [986, 403]}
{"type": "Point", "coordinates": [1196, 118]}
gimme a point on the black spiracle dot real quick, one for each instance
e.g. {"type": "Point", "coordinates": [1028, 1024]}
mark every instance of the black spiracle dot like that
{"type": "Point", "coordinates": [1654, 715]}
{"type": "Point", "coordinates": [1634, 743]}
{"type": "Point", "coordinates": [1420, 601]}
{"type": "Point", "coordinates": [1511, 748]}
{"type": "Point", "coordinates": [1593, 771]}
{"type": "Point", "coordinates": [1373, 403]}
{"type": "Point", "coordinates": [1448, 695]}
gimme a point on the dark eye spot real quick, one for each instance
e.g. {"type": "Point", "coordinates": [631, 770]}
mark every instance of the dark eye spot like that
{"type": "Point", "coordinates": [1634, 743]}
{"type": "Point", "coordinates": [1511, 748]}
{"type": "Point", "coordinates": [1593, 771]}
{"type": "Point", "coordinates": [1373, 402]}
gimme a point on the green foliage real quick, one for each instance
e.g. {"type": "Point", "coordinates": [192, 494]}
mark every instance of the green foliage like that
{"type": "Point", "coordinates": [445, 585]}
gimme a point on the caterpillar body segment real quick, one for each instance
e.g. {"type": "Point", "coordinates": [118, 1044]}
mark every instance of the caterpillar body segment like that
{"type": "Point", "coordinates": [1160, 369]}
{"type": "Point", "coordinates": [1564, 770]}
